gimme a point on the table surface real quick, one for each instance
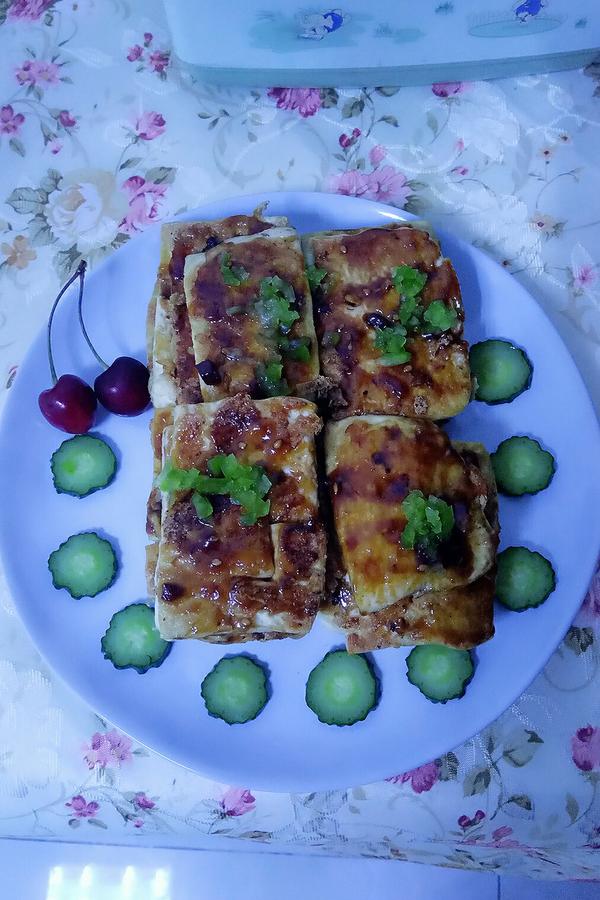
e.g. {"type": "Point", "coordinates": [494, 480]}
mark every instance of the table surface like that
{"type": "Point", "coordinates": [101, 135]}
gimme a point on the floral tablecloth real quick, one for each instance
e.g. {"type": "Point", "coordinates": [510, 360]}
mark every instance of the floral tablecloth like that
{"type": "Point", "coordinates": [101, 134]}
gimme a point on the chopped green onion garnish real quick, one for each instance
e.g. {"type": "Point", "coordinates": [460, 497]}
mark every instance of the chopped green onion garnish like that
{"type": "Point", "coordinates": [439, 317]}
{"type": "Point", "coordinates": [275, 304]}
{"type": "Point", "coordinates": [429, 521]}
{"type": "Point", "coordinates": [246, 486]}
{"type": "Point", "coordinates": [392, 343]}
{"type": "Point", "coordinates": [270, 380]}
{"type": "Point", "coordinates": [295, 348]}
{"type": "Point", "coordinates": [408, 282]}
{"type": "Point", "coordinates": [202, 505]}
{"type": "Point", "coordinates": [232, 275]}
{"type": "Point", "coordinates": [315, 276]}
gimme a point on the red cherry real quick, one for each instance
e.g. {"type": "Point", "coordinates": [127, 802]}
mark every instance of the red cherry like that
{"type": "Point", "coordinates": [123, 387]}
{"type": "Point", "coordinates": [69, 405]}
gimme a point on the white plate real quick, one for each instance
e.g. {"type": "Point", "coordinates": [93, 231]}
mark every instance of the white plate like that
{"type": "Point", "coordinates": [286, 748]}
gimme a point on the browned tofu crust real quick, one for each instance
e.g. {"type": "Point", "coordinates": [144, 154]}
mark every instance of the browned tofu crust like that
{"type": "Point", "coordinates": [219, 580]}
{"type": "Point", "coordinates": [226, 327]}
{"type": "Point", "coordinates": [179, 240]}
{"type": "Point", "coordinates": [436, 382]}
{"type": "Point", "coordinates": [373, 462]}
{"type": "Point", "coordinates": [462, 617]}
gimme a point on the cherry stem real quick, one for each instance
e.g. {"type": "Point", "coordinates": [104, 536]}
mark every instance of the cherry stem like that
{"type": "Point", "coordinates": [78, 273]}
{"type": "Point", "coordinates": [84, 329]}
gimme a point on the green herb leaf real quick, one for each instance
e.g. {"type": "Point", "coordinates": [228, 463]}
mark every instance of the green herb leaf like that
{"type": "Point", "coordinates": [275, 305]}
{"type": "Point", "coordinates": [439, 317]}
{"type": "Point", "coordinates": [429, 521]}
{"type": "Point", "coordinates": [232, 275]}
{"type": "Point", "coordinates": [392, 343]}
{"type": "Point", "coordinates": [315, 276]}
{"type": "Point", "coordinates": [408, 282]}
{"type": "Point", "coordinates": [270, 380]}
{"type": "Point", "coordinates": [202, 505]}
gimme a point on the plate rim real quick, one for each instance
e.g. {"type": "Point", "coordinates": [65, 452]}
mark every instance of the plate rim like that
{"type": "Point", "coordinates": [213, 209]}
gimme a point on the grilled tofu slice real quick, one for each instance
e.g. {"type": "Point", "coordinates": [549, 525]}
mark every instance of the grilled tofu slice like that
{"type": "Point", "coordinates": [221, 581]}
{"type": "Point", "coordinates": [372, 463]}
{"type": "Point", "coordinates": [173, 376]}
{"type": "Point", "coordinates": [461, 617]}
{"type": "Point", "coordinates": [356, 299]}
{"type": "Point", "coordinates": [233, 331]}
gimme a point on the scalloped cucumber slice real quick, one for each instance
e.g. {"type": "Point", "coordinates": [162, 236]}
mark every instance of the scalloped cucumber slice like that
{"type": "Point", "coordinates": [522, 466]}
{"type": "Point", "coordinates": [525, 578]}
{"type": "Point", "coordinates": [235, 690]}
{"type": "Point", "coordinates": [502, 371]}
{"type": "Point", "coordinates": [82, 464]}
{"type": "Point", "coordinates": [132, 640]}
{"type": "Point", "coordinates": [342, 689]}
{"type": "Point", "coordinates": [85, 564]}
{"type": "Point", "coordinates": [441, 673]}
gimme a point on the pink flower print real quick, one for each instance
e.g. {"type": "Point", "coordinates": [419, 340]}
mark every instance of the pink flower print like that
{"type": "Point", "coordinates": [10, 121]}
{"type": "Point", "coordinates": [34, 71]}
{"type": "Point", "coordinates": [149, 126]}
{"type": "Point", "coordinates": [377, 154]}
{"type": "Point", "coordinates": [55, 147]}
{"type": "Point", "coordinates": [237, 802]}
{"type": "Point", "coordinates": [346, 141]}
{"type": "Point", "coordinates": [66, 119]}
{"type": "Point", "coordinates": [109, 749]}
{"type": "Point", "coordinates": [81, 809]}
{"type": "Point", "coordinates": [141, 801]}
{"type": "Point", "coordinates": [137, 823]}
{"type": "Point", "coordinates": [585, 748]}
{"type": "Point", "coordinates": [466, 822]}
{"type": "Point", "coordinates": [29, 10]}
{"type": "Point", "coordinates": [390, 185]}
{"type": "Point", "coordinates": [499, 835]}
{"type": "Point", "coordinates": [590, 611]}
{"type": "Point", "coordinates": [459, 170]}
{"type": "Point", "coordinates": [134, 53]}
{"type": "Point", "coordinates": [306, 100]}
{"type": "Point", "coordinates": [144, 203]}
{"type": "Point", "coordinates": [352, 183]}
{"type": "Point", "coordinates": [159, 60]}
{"type": "Point", "coordinates": [421, 779]}
{"type": "Point", "coordinates": [148, 38]}
{"type": "Point", "coordinates": [584, 276]}
{"type": "Point", "coordinates": [448, 88]}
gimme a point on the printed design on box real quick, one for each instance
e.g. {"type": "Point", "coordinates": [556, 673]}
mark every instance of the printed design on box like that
{"type": "Point", "coordinates": [524, 19]}
{"type": "Point", "coordinates": [307, 29]}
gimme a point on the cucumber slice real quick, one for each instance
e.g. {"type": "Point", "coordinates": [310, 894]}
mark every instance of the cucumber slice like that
{"type": "Point", "coordinates": [81, 465]}
{"type": "Point", "coordinates": [342, 689]}
{"type": "Point", "coordinates": [525, 578]}
{"type": "Point", "coordinates": [84, 564]}
{"type": "Point", "coordinates": [502, 371]}
{"type": "Point", "coordinates": [441, 673]}
{"type": "Point", "coordinates": [235, 690]}
{"type": "Point", "coordinates": [132, 640]}
{"type": "Point", "coordinates": [521, 466]}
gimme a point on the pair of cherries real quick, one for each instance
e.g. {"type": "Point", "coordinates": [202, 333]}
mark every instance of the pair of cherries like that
{"type": "Point", "coordinates": [122, 388]}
